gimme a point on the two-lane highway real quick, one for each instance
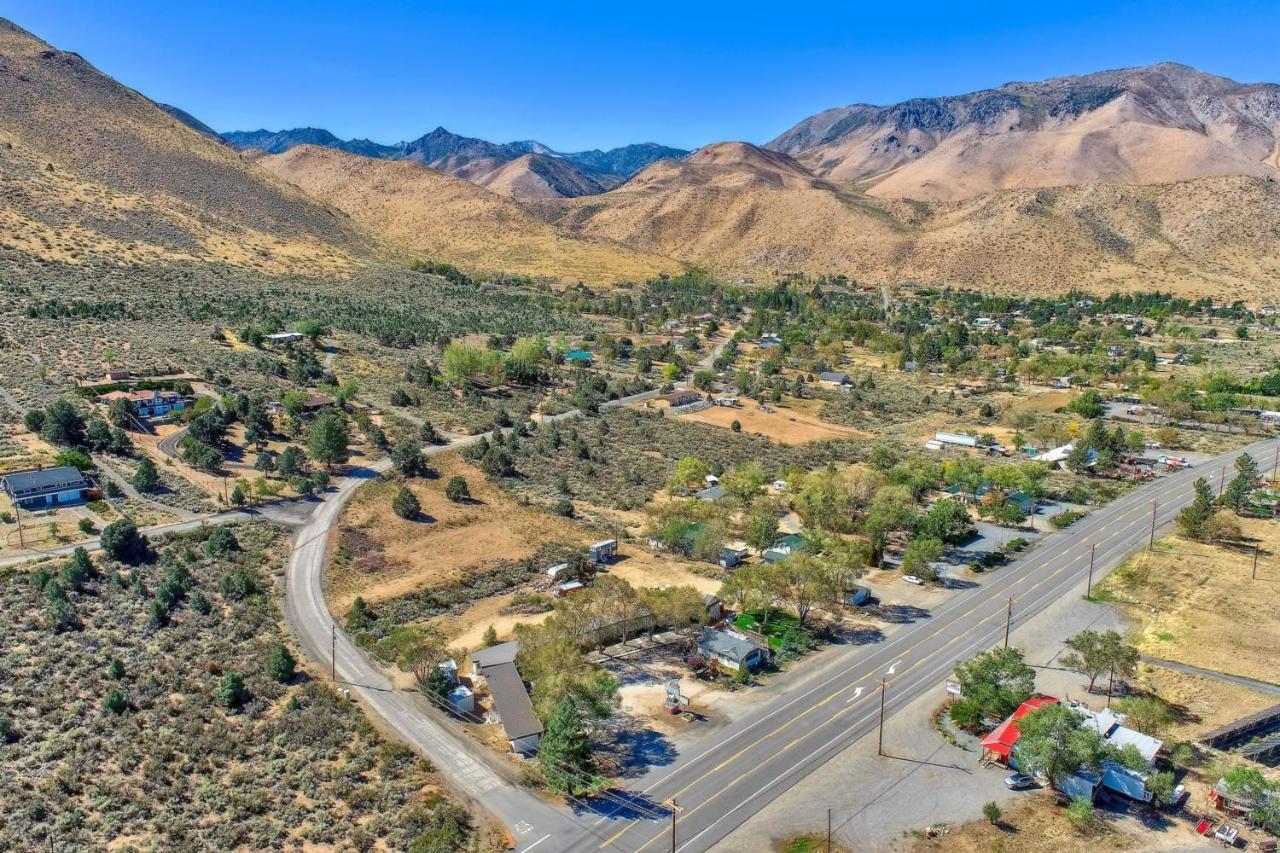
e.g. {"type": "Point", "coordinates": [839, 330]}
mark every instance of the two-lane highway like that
{"type": "Point", "coordinates": [756, 759]}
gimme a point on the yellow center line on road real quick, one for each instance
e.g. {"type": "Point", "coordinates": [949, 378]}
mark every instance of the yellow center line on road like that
{"type": "Point", "coordinates": [1044, 580]}
{"type": "Point", "coordinates": [839, 691]}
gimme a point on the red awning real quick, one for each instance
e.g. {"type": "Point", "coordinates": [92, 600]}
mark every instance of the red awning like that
{"type": "Point", "coordinates": [1004, 736]}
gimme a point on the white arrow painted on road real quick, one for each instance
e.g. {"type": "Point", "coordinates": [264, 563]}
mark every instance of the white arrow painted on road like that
{"type": "Point", "coordinates": [855, 695]}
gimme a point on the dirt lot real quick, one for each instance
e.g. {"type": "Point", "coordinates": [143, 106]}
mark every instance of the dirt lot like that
{"type": "Point", "coordinates": [1197, 603]}
{"type": "Point", "coordinates": [787, 425]}
{"type": "Point", "coordinates": [637, 566]}
{"type": "Point", "coordinates": [1035, 825]}
{"type": "Point", "coordinates": [449, 541]}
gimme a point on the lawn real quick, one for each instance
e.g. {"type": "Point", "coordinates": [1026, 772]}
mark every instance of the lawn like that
{"type": "Point", "coordinates": [778, 627]}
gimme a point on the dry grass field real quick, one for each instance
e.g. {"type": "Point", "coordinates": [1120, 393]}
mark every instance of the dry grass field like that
{"type": "Point", "coordinates": [382, 556]}
{"type": "Point", "coordinates": [1033, 824]}
{"type": "Point", "coordinates": [1197, 604]}
{"type": "Point", "coordinates": [785, 425]}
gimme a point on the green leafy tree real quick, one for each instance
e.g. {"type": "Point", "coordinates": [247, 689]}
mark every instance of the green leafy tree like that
{"type": "Point", "coordinates": [146, 478]}
{"type": "Point", "coordinates": [1147, 714]}
{"type": "Point", "coordinates": [1096, 653]}
{"type": "Point", "coordinates": [762, 529]}
{"type": "Point", "coordinates": [946, 521]}
{"type": "Point", "coordinates": [328, 439]}
{"type": "Point", "coordinates": [996, 682]}
{"type": "Point", "coordinates": [1054, 740]}
{"type": "Point", "coordinates": [438, 685]}
{"type": "Point", "coordinates": [281, 665]}
{"type": "Point", "coordinates": [62, 424]}
{"type": "Point", "coordinates": [991, 811]}
{"type": "Point", "coordinates": [565, 751]}
{"type": "Point", "coordinates": [122, 413]}
{"type": "Point", "coordinates": [292, 461]}
{"type": "Point", "coordinates": [121, 541]}
{"type": "Point", "coordinates": [920, 555]}
{"type": "Point", "coordinates": [407, 457]}
{"type": "Point", "coordinates": [691, 473]}
{"type": "Point", "coordinates": [74, 458]}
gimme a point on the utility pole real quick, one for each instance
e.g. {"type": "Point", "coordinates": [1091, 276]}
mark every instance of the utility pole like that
{"type": "Point", "coordinates": [17, 514]}
{"type": "Point", "coordinates": [333, 652]}
{"type": "Point", "coordinates": [880, 741]}
{"type": "Point", "coordinates": [1089, 589]}
{"type": "Point", "coordinates": [1111, 680]}
{"type": "Point", "coordinates": [1222, 479]}
{"type": "Point", "coordinates": [1151, 541]}
{"type": "Point", "coordinates": [673, 825]}
{"type": "Point", "coordinates": [1008, 620]}
{"type": "Point", "coordinates": [1255, 559]}
{"type": "Point", "coordinates": [1275, 465]}
{"type": "Point", "coordinates": [828, 830]}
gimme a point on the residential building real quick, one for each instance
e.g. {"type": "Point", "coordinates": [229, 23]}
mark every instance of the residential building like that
{"type": "Point", "coordinates": [149, 404]}
{"type": "Point", "coordinates": [731, 650]}
{"type": "Point", "coordinates": [45, 487]}
{"type": "Point", "coordinates": [685, 397]}
{"type": "Point", "coordinates": [835, 379]}
{"type": "Point", "coordinates": [279, 339]}
{"type": "Point", "coordinates": [495, 668]}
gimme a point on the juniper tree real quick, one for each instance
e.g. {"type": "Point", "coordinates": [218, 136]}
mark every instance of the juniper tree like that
{"type": "Point", "coordinates": [565, 751]}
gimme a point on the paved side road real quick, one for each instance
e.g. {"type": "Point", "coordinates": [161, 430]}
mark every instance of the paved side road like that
{"type": "Point", "coordinates": [1224, 677]}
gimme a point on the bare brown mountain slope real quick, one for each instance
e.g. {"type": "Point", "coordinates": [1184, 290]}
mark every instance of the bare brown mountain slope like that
{"type": "Point", "coordinates": [439, 216]}
{"type": "Point", "coordinates": [91, 168]}
{"type": "Point", "coordinates": [1158, 124]}
{"type": "Point", "coordinates": [736, 209]}
{"type": "Point", "coordinates": [537, 176]}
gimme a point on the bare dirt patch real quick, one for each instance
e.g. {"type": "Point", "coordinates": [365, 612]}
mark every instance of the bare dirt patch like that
{"type": "Point", "coordinates": [380, 555]}
{"type": "Point", "coordinates": [785, 425]}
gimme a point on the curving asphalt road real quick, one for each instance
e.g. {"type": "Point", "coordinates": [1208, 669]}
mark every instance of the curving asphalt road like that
{"type": "Point", "coordinates": [757, 757]}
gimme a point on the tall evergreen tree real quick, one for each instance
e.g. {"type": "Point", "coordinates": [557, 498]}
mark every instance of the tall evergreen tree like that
{"type": "Point", "coordinates": [565, 752]}
{"type": "Point", "coordinates": [1241, 486]}
{"type": "Point", "coordinates": [1193, 520]}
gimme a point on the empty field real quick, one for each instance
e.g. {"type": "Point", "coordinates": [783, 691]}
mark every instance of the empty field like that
{"type": "Point", "coordinates": [784, 425]}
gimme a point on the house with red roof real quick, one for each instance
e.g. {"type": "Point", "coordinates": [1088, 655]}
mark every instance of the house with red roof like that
{"type": "Point", "coordinates": [998, 745]}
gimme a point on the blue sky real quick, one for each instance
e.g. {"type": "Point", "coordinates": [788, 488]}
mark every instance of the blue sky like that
{"type": "Point", "coordinates": [585, 75]}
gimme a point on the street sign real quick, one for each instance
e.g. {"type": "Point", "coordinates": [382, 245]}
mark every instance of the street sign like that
{"type": "Point", "coordinates": [953, 688]}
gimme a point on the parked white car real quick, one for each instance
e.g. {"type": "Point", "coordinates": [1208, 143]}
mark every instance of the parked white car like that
{"type": "Point", "coordinates": [913, 579]}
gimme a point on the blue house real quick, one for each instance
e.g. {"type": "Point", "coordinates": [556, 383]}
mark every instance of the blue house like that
{"type": "Point", "coordinates": [45, 487]}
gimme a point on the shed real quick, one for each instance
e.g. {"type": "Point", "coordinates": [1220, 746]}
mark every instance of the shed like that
{"type": "Point", "coordinates": [731, 558]}
{"type": "Point", "coordinates": [603, 551]}
{"type": "Point", "coordinates": [956, 438]}
{"type": "Point", "coordinates": [714, 607]}
{"type": "Point", "coordinates": [569, 588]}
{"type": "Point", "coordinates": [834, 378]}
{"type": "Point", "coordinates": [461, 700]}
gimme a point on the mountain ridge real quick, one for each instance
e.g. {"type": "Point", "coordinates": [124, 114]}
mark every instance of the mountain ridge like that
{"type": "Point", "coordinates": [478, 160]}
{"type": "Point", "coordinates": [1150, 124]}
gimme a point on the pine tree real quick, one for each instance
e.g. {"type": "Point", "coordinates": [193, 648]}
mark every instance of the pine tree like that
{"type": "Point", "coordinates": [1238, 490]}
{"type": "Point", "coordinates": [565, 751]}
{"type": "Point", "coordinates": [145, 478]}
{"type": "Point", "coordinates": [280, 663]}
{"type": "Point", "coordinates": [405, 504]}
{"type": "Point", "coordinates": [1192, 521]}
{"type": "Point", "coordinates": [490, 638]}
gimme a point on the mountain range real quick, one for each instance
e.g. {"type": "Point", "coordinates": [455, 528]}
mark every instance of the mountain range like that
{"type": "Point", "coordinates": [1157, 177]}
{"type": "Point", "coordinates": [528, 169]}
